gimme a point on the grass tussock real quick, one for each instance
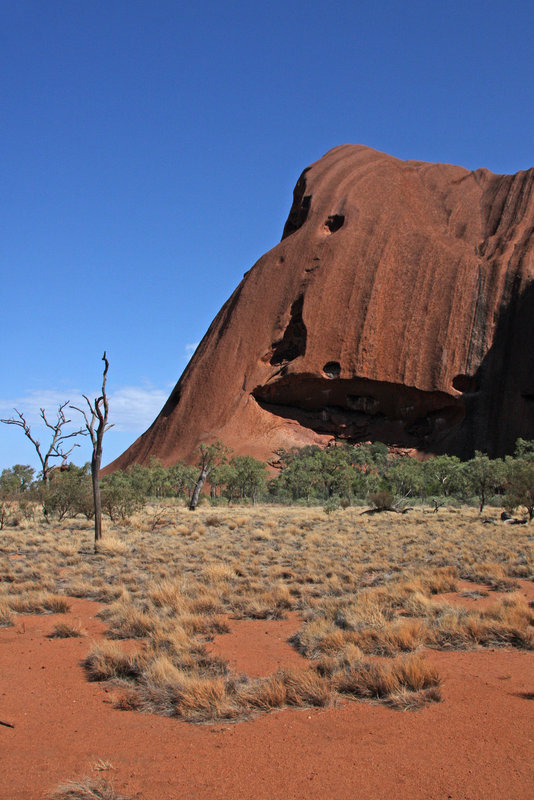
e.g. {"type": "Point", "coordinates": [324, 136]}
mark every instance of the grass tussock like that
{"type": "Point", "coordinates": [86, 789]}
{"type": "Point", "coordinates": [39, 603]}
{"type": "Point", "coordinates": [7, 618]}
{"type": "Point", "coordinates": [112, 546]}
{"type": "Point", "coordinates": [107, 661]}
{"type": "Point", "coordinates": [405, 682]}
{"type": "Point", "coordinates": [66, 630]}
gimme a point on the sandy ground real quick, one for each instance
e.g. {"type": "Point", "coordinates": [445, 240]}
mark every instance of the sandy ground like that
{"type": "Point", "coordinates": [526, 588]}
{"type": "Point", "coordinates": [476, 745]}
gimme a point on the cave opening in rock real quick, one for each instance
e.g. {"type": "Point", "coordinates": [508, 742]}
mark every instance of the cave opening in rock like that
{"type": "Point", "coordinates": [334, 222]}
{"type": "Point", "coordinates": [300, 207]}
{"type": "Point", "coordinates": [332, 369]}
{"type": "Point", "coordinates": [359, 409]}
{"type": "Point", "coordinates": [293, 343]}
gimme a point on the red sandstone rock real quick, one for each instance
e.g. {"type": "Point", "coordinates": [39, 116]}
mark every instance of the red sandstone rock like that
{"type": "Point", "coordinates": [399, 306]}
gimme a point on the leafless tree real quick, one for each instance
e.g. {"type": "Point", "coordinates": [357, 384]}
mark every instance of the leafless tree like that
{"type": "Point", "coordinates": [96, 423]}
{"type": "Point", "coordinates": [56, 448]}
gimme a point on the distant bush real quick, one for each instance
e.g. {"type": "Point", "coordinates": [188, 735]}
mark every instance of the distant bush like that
{"type": "Point", "coordinates": [381, 499]}
{"type": "Point", "coordinates": [332, 504]}
{"type": "Point", "coordinates": [119, 498]}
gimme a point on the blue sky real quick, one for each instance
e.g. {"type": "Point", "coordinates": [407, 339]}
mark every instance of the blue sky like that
{"type": "Point", "coordinates": [150, 149]}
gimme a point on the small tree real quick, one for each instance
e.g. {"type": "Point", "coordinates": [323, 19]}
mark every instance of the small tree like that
{"type": "Point", "coordinates": [247, 477]}
{"type": "Point", "coordinates": [520, 477]}
{"type": "Point", "coordinates": [211, 456]}
{"type": "Point", "coordinates": [66, 495]}
{"type": "Point", "coordinates": [17, 479]}
{"type": "Point", "coordinates": [484, 476]}
{"type": "Point", "coordinates": [120, 499]}
{"type": "Point", "coordinates": [96, 423]}
{"type": "Point", "coordinates": [59, 437]}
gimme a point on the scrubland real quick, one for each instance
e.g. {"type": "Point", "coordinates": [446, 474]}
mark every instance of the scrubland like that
{"type": "Point", "coordinates": [367, 589]}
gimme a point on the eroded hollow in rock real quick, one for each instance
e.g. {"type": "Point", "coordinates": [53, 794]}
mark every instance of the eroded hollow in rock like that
{"type": "Point", "coordinates": [293, 342]}
{"type": "Point", "coordinates": [357, 409]}
{"type": "Point", "coordinates": [332, 369]}
{"type": "Point", "coordinates": [334, 222]}
{"type": "Point", "coordinates": [300, 208]}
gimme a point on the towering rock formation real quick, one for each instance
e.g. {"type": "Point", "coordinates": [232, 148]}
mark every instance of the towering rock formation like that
{"type": "Point", "coordinates": [399, 306]}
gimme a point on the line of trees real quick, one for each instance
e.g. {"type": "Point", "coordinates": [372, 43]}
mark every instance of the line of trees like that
{"type": "Point", "coordinates": [336, 476]}
{"type": "Point", "coordinates": [370, 473]}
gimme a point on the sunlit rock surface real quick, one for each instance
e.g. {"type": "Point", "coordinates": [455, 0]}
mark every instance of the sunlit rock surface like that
{"type": "Point", "coordinates": [399, 307]}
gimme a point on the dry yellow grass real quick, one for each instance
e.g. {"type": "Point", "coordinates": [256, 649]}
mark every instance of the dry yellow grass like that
{"type": "Point", "coordinates": [67, 630]}
{"type": "Point", "coordinates": [86, 789]}
{"type": "Point", "coordinates": [365, 586]}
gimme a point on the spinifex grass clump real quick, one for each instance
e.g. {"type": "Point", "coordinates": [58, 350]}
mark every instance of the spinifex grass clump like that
{"type": "Point", "coordinates": [6, 615]}
{"type": "Point", "coordinates": [66, 630]}
{"type": "Point", "coordinates": [86, 789]}
{"type": "Point", "coordinates": [376, 624]}
{"type": "Point", "coordinates": [39, 603]}
{"type": "Point", "coordinates": [107, 661]}
{"type": "Point", "coordinates": [405, 682]}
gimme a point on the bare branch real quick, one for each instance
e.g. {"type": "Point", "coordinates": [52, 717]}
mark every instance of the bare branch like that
{"type": "Point", "coordinates": [61, 420]}
{"type": "Point", "coordinates": [21, 422]}
{"type": "Point", "coordinates": [82, 412]}
{"type": "Point", "coordinates": [55, 448]}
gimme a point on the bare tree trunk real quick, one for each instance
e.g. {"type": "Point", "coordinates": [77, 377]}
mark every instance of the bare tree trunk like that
{"type": "Point", "coordinates": [198, 488]}
{"type": "Point", "coordinates": [97, 499]}
{"type": "Point", "coordinates": [98, 417]}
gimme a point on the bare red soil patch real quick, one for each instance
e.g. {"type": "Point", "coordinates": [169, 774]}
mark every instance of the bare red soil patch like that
{"type": "Point", "coordinates": [476, 744]}
{"type": "Point", "coordinates": [488, 596]}
{"type": "Point", "coordinates": [258, 647]}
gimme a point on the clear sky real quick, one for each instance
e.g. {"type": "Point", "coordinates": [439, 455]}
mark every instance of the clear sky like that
{"type": "Point", "coordinates": [149, 151]}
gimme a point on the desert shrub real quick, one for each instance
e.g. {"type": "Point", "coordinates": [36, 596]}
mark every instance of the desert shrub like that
{"type": "Point", "coordinates": [26, 508]}
{"type": "Point", "coordinates": [67, 493]}
{"type": "Point", "coordinates": [332, 504]}
{"type": "Point", "coordinates": [382, 499]}
{"type": "Point", "coordinates": [119, 497]}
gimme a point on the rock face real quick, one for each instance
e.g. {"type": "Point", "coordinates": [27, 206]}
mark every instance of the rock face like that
{"type": "Point", "coordinates": [399, 307]}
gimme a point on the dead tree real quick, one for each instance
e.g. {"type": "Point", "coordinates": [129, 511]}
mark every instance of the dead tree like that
{"type": "Point", "coordinates": [56, 447]}
{"type": "Point", "coordinates": [96, 423]}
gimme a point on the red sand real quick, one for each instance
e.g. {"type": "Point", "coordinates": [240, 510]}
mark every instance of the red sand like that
{"type": "Point", "coordinates": [477, 744]}
{"type": "Point", "coordinates": [258, 647]}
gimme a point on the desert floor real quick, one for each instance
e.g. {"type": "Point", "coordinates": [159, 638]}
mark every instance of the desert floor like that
{"type": "Point", "coordinates": [217, 703]}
